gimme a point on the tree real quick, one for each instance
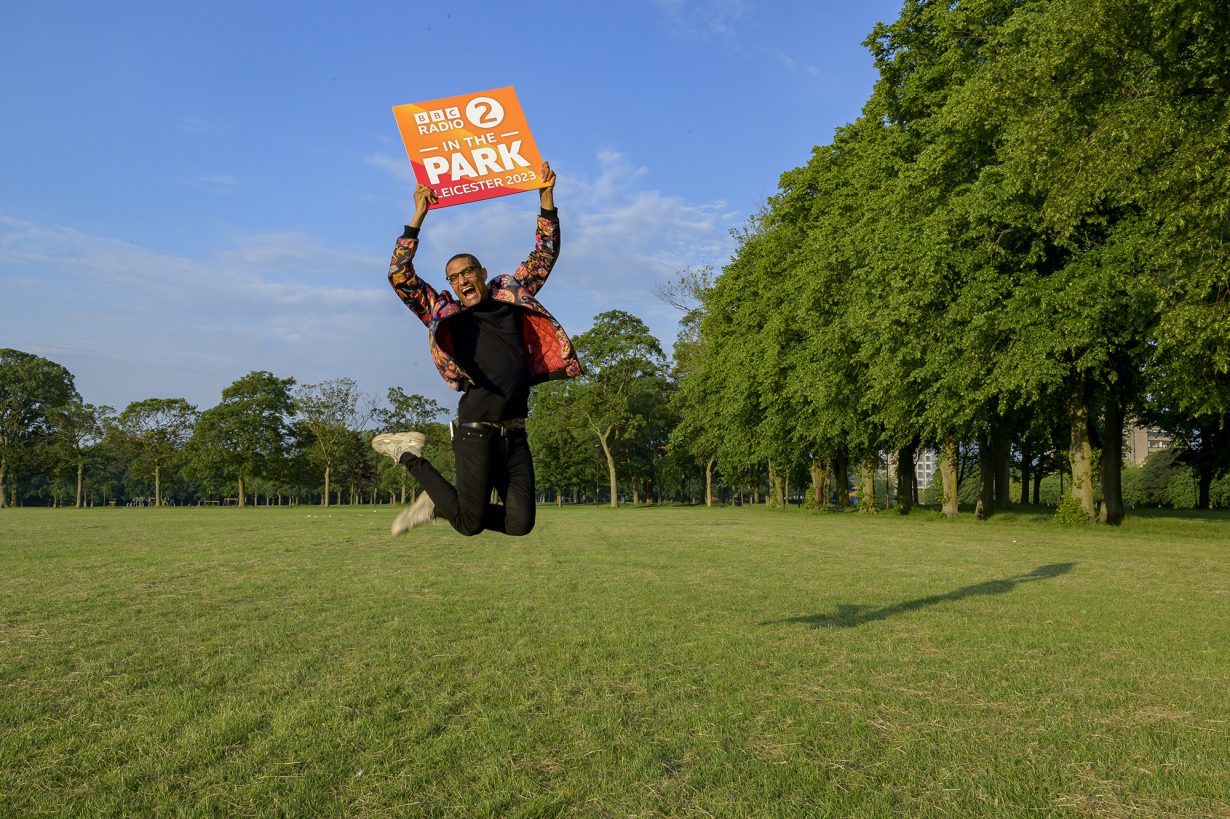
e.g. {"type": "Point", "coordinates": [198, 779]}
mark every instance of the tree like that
{"type": "Point", "coordinates": [32, 388]}
{"type": "Point", "coordinates": [411, 412]}
{"type": "Point", "coordinates": [621, 356]}
{"type": "Point", "coordinates": [558, 438]}
{"type": "Point", "coordinates": [79, 427]}
{"type": "Point", "coordinates": [247, 433]}
{"type": "Point", "coordinates": [695, 434]}
{"type": "Point", "coordinates": [331, 411]}
{"type": "Point", "coordinates": [408, 411]}
{"type": "Point", "coordinates": [157, 428]}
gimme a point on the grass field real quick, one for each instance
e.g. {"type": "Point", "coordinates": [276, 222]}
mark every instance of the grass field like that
{"type": "Point", "coordinates": [733, 662]}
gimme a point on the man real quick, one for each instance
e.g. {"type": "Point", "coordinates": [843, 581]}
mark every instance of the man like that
{"type": "Point", "coordinates": [491, 341]}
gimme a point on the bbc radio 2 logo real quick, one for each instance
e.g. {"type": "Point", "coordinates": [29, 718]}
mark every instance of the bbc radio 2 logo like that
{"type": "Point", "coordinates": [480, 112]}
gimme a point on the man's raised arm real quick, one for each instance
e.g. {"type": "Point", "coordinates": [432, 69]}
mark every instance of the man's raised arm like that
{"type": "Point", "coordinates": [418, 295]}
{"type": "Point", "coordinates": [533, 271]}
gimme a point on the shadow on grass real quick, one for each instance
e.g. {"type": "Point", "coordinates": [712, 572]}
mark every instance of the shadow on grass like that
{"type": "Point", "coordinates": [849, 616]}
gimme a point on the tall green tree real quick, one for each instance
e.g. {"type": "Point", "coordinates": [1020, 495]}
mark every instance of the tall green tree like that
{"type": "Point", "coordinates": [331, 412]}
{"type": "Point", "coordinates": [412, 411]}
{"type": "Point", "coordinates": [79, 428]}
{"type": "Point", "coordinates": [561, 444]}
{"type": "Point", "coordinates": [407, 411]}
{"type": "Point", "coordinates": [156, 429]}
{"type": "Point", "coordinates": [248, 432]}
{"type": "Point", "coordinates": [32, 389]}
{"type": "Point", "coordinates": [622, 358]}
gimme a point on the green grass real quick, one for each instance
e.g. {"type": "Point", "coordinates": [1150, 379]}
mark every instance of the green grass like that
{"type": "Point", "coordinates": [632, 662]}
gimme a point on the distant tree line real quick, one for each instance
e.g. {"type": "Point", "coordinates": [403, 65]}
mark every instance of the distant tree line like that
{"type": "Point", "coordinates": [266, 441]}
{"type": "Point", "coordinates": [626, 431]}
{"type": "Point", "coordinates": [271, 441]}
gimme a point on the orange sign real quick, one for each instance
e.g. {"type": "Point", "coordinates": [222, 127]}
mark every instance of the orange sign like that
{"type": "Point", "coordinates": [471, 147]}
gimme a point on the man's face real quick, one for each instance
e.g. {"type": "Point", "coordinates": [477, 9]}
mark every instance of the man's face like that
{"type": "Point", "coordinates": [468, 280]}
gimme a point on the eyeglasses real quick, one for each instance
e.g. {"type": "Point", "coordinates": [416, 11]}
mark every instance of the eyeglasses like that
{"type": "Point", "coordinates": [472, 271]}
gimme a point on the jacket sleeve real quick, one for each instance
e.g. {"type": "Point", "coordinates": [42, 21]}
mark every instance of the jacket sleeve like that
{"type": "Point", "coordinates": [533, 271]}
{"type": "Point", "coordinates": [418, 295]}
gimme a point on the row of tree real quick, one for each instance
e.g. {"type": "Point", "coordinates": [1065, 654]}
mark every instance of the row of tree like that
{"type": "Point", "coordinates": [1022, 245]}
{"type": "Point", "coordinates": [602, 436]}
{"type": "Point", "coordinates": [266, 437]}
{"type": "Point", "coordinates": [620, 431]}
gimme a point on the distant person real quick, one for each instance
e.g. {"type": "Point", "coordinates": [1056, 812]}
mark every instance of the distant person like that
{"type": "Point", "coordinates": [492, 343]}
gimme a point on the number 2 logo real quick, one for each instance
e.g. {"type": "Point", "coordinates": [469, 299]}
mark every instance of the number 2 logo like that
{"type": "Point", "coordinates": [484, 112]}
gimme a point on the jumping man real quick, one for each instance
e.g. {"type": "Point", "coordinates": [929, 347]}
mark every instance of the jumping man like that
{"type": "Point", "coordinates": [490, 341]}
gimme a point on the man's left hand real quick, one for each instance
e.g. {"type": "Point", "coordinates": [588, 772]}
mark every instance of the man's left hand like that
{"type": "Point", "coordinates": [546, 194]}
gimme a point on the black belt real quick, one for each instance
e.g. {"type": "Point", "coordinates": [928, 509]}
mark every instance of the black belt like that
{"type": "Point", "coordinates": [503, 427]}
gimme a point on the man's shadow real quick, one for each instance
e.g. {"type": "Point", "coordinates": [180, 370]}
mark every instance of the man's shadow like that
{"type": "Point", "coordinates": [849, 616]}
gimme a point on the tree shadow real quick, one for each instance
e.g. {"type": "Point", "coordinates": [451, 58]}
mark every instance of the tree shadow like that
{"type": "Point", "coordinates": [849, 616]}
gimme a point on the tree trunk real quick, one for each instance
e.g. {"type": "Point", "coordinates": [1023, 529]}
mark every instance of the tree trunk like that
{"type": "Point", "coordinates": [841, 478]}
{"type": "Point", "coordinates": [1081, 453]}
{"type": "Point", "coordinates": [1001, 450]}
{"type": "Point", "coordinates": [1112, 462]}
{"type": "Point", "coordinates": [157, 485]}
{"type": "Point", "coordinates": [867, 485]}
{"type": "Point", "coordinates": [80, 481]}
{"type": "Point", "coordinates": [905, 478]}
{"type": "Point", "coordinates": [948, 479]}
{"type": "Point", "coordinates": [776, 489]}
{"type": "Point", "coordinates": [1025, 465]}
{"type": "Point", "coordinates": [709, 481]}
{"type": "Point", "coordinates": [1204, 466]}
{"type": "Point", "coordinates": [4, 471]}
{"type": "Point", "coordinates": [819, 483]}
{"type": "Point", "coordinates": [610, 467]}
{"type": "Point", "coordinates": [243, 500]}
{"type": "Point", "coordinates": [1038, 476]}
{"type": "Point", "coordinates": [324, 498]}
{"type": "Point", "coordinates": [986, 479]}
{"type": "Point", "coordinates": [1213, 441]}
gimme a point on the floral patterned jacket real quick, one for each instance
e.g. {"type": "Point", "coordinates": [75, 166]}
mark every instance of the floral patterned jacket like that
{"type": "Point", "coordinates": [548, 350]}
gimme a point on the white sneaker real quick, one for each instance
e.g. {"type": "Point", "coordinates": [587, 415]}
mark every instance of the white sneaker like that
{"type": "Point", "coordinates": [423, 510]}
{"type": "Point", "coordinates": [396, 444]}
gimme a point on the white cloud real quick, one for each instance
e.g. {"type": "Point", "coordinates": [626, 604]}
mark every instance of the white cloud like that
{"type": "Point", "coordinates": [397, 167]}
{"type": "Point", "coordinates": [132, 322]}
{"type": "Point", "coordinates": [217, 181]}
{"type": "Point", "coordinates": [619, 240]}
{"type": "Point", "coordinates": [703, 19]}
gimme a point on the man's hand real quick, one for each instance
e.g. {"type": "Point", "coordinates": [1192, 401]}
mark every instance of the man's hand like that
{"type": "Point", "coordinates": [424, 198]}
{"type": "Point", "coordinates": [546, 194]}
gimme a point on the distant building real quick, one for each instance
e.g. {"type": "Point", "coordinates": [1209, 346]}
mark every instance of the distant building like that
{"type": "Point", "coordinates": [1142, 442]}
{"type": "Point", "coordinates": [925, 464]}
{"type": "Point", "coordinates": [926, 461]}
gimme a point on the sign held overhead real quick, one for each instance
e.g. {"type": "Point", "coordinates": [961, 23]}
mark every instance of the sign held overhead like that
{"type": "Point", "coordinates": [470, 147]}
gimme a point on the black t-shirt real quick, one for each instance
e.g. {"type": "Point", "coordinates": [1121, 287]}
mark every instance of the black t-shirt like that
{"type": "Point", "coordinates": [487, 344]}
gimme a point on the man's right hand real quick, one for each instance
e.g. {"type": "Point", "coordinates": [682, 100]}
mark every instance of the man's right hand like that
{"type": "Point", "coordinates": [424, 198]}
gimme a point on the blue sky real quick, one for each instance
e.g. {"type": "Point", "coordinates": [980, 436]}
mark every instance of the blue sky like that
{"type": "Point", "coordinates": [195, 191]}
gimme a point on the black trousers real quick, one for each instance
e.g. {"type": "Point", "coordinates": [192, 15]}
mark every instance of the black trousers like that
{"type": "Point", "coordinates": [486, 459]}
